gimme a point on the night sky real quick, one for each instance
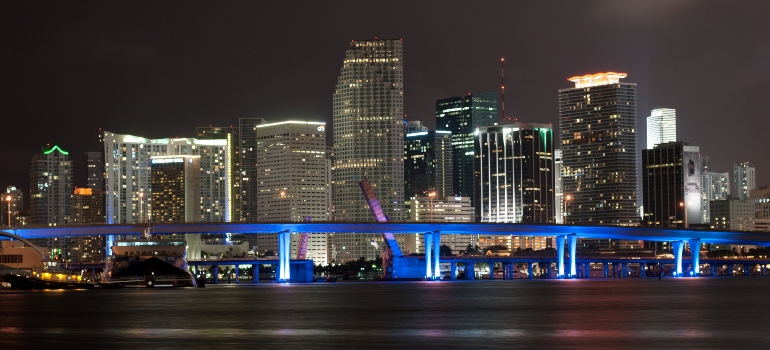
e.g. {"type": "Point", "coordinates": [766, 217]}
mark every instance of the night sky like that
{"type": "Point", "coordinates": [160, 69]}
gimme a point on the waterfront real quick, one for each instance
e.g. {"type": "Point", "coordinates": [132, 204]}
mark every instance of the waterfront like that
{"type": "Point", "coordinates": [588, 314]}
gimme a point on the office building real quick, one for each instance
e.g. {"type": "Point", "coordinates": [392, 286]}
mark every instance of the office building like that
{"type": "Point", "coordinates": [13, 204]}
{"type": "Point", "coordinates": [732, 215]}
{"type": "Point", "coordinates": [661, 127]}
{"type": "Point", "coordinates": [672, 185]}
{"type": "Point", "coordinates": [597, 124]}
{"type": "Point", "coordinates": [440, 209]}
{"type": "Point", "coordinates": [175, 186]}
{"type": "Point", "coordinates": [232, 136]}
{"type": "Point", "coordinates": [428, 164]}
{"type": "Point", "coordinates": [50, 196]}
{"type": "Point", "coordinates": [714, 186]}
{"type": "Point", "coordinates": [87, 208]}
{"type": "Point", "coordinates": [461, 116]}
{"type": "Point", "coordinates": [127, 175]}
{"type": "Point", "coordinates": [744, 180]}
{"type": "Point", "coordinates": [558, 209]}
{"type": "Point", "coordinates": [368, 138]}
{"type": "Point", "coordinates": [247, 136]}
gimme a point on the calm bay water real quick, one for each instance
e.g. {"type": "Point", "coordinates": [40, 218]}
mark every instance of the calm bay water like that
{"type": "Point", "coordinates": [719, 313]}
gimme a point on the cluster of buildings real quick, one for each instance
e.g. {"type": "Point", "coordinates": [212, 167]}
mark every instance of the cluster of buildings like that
{"type": "Point", "coordinates": [476, 166]}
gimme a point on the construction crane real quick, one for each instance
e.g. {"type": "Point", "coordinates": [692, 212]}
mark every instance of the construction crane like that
{"type": "Point", "coordinates": [391, 249]}
{"type": "Point", "coordinates": [302, 244]}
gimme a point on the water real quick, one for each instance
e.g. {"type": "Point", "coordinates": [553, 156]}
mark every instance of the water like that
{"type": "Point", "coordinates": [684, 313]}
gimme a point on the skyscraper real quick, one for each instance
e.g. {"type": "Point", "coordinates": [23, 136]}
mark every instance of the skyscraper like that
{"type": "Point", "coordinates": [597, 123]}
{"type": "Point", "coordinates": [714, 187]}
{"type": "Point", "coordinates": [428, 164]}
{"type": "Point", "coordinates": [661, 127]}
{"type": "Point", "coordinates": [558, 210]}
{"type": "Point", "coordinates": [744, 180]}
{"type": "Point", "coordinates": [369, 130]}
{"type": "Point", "coordinates": [87, 208]}
{"type": "Point", "coordinates": [461, 116]}
{"type": "Point", "coordinates": [368, 140]}
{"type": "Point", "coordinates": [233, 160]}
{"type": "Point", "coordinates": [247, 141]}
{"type": "Point", "coordinates": [50, 187]}
{"type": "Point", "coordinates": [14, 198]}
{"type": "Point", "coordinates": [671, 183]}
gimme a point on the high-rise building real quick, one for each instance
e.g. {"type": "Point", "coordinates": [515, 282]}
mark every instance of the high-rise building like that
{"type": "Point", "coordinates": [13, 203]}
{"type": "Point", "coordinates": [428, 164]}
{"type": "Point", "coordinates": [661, 127]}
{"type": "Point", "coordinates": [128, 164]}
{"type": "Point", "coordinates": [461, 116]}
{"type": "Point", "coordinates": [514, 173]}
{"type": "Point", "coordinates": [176, 189]}
{"type": "Point", "coordinates": [369, 130]}
{"type": "Point", "coordinates": [247, 141]}
{"type": "Point", "coordinates": [672, 185]}
{"type": "Point", "coordinates": [558, 210]}
{"type": "Point", "coordinates": [50, 187]}
{"type": "Point", "coordinates": [732, 215]}
{"type": "Point", "coordinates": [714, 186]}
{"type": "Point", "coordinates": [705, 164]}
{"type": "Point", "coordinates": [744, 180]}
{"type": "Point", "coordinates": [87, 208]}
{"type": "Point", "coordinates": [597, 123]}
{"type": "Point", "coordinates": [231, 135]}
{"type": "Point", "coordinates": [413, 126]}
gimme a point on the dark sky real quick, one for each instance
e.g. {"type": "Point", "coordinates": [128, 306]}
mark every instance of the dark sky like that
{"type": "Point", "coordinates": [159, 69]}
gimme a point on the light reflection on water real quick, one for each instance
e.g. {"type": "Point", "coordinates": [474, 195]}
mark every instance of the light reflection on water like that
{"type": "Point", "coordinates": [673, 313]}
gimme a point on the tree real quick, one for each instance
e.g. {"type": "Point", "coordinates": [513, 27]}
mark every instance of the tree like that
{"type": "Point", "coordinates": [445, 250]}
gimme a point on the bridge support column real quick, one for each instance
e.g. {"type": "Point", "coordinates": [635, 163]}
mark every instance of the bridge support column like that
{"type": "Point", "coordinates": [747, 269]}
{"type": "Point", "coordinates": [283, 271]}
{"type": "Point", "coordinates": [606, 268]}
{"type": "Point", "coordinates": [643, 270]}
{"type": "Point", "coordinates": [713, 269]}
{"type": "Point", "coordinates": [572, 244]}
{"type": "Point", "coordinates": [730, 269]}
{"type": "Point", "coordinates": [764, 269]}
{"type": "Point", "coordinates": [254, 273]}
{"type": "Point", "coordinates": [560, 255]}
{"type": "Point", "coordinates": [678, 249]}
{"type": "Point", "coordinates": [491, 270]}
{"type": "Point", "coordinates": [470, 270]}
{"type": "Point", "coordinates": [695, 254]}
{"type": "Point", "coordinates": [529, 271]}
{"type": "Point", "coordinates": [587, 270]}
{"type": "Point", "coordinates": [428, 238]}
{"type": "Point", "coordinates": [237, 273]}
{"type": "Point", "coordinates": [436, 255]}
{"type": "Point", "coordinates": [623, 270]}
{"type": "Point", "coordinates": [453, 271]}
{"type": "Point", "coordinates": [215, 273]}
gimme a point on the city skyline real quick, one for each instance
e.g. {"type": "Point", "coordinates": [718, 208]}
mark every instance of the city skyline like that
{"type": "Point", "coordinates": [75, 68]}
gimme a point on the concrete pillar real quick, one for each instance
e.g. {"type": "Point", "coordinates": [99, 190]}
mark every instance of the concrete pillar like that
{"type": "Point", "coordinates": [764, 270]}
{"type": "Point", "coordinates": [747, 269]}
{"type": "Point", "coordinates": [623, 270]}
{"type": "Point", "coordinates": [560, 255]}
{"type": "Point", "coordinates": [255, 273]}
{"type": "Point", "coordinates": [453, 271]}
{"type": "Point", "coordinates": [436, 255]}
{"type": "Point", "coordinates": [237, 273]}
{"type": "Point", "coordinates": [428, 238]}
{"type": "Point", "coordinates": [605, 267]}
{"type": "Point", "coordinates": [695, 254]}
{"type": "Point", "coordinates": [491, 270]}
{"type": "Point", "coordinates": [215, 273]}
{"type": "Point", "coordinates": [678, 249]}
{"type": "Point", "coordinates": [282, 271]}
{"type": "Point", "coordinates": [730, 269]}
{"type": "Point", "coordinates": [572, 244]}
{"type": "Point", "coordinates": [643, 270]}
{"type": "Point", "coordinates": [470, 270]}
{"type": "Point", "coordinates": [529, 270]}
{"type": "Point", "coordinates": [587, 270]}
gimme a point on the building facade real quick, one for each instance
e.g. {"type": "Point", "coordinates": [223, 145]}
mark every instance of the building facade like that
{"type": "Point", "coordinates": [597, 125]}
{"type": "Point", "coordinates": [744, 180]}
{"type": "Point", "coordinates": [247, 141]}
{"type": "Point", "coordinates": [714, 186]}
{"type": "Point", "coordinates": [661, 127]}
{"type": "Point", "coordinates": [428, 164]}
{"type": "Point", "coordinates": [50, 187]}
{"type": "Point", "coordinates": [672, 185]}
{"type": "Point", "coordinates": [440, 209]}
{"type": "Point", "coordinates": [460, 116]}
{"type": "Point", "coordinates": [732, 215]}
{"type": "Point", "coordinates": [13, 205]}
{"type": "Point", "coordinates": [231, 135]}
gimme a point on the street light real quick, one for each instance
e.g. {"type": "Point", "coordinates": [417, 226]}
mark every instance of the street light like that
{"type": "Point", "coordinates": [431, 195]}
{"type": "Point", "coordinates": [8, 199]}
{"type": "Point", "coordinates": [566, 198]}
{"type": "Point", "coordinates": [684, 207]}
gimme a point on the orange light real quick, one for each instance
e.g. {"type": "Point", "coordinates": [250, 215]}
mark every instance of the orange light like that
{"type": "Point", "coordinates": [84, 191]}
{"type": "Point", "coordinates": [597, 75]}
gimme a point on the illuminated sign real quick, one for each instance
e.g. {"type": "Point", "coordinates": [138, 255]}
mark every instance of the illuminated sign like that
{"type": "Point", "coordinates": [168, 160]}
{"type": "Point", "coordinates": [321, 128]}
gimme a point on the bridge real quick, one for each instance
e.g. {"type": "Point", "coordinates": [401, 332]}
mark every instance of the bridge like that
{"type": "Point", "coordinates": [566, 238]}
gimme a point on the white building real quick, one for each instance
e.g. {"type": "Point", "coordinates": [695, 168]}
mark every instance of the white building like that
{"type": "Point", "coordinates": [51, 195]}
{"type": "Point", "coordinates": [127, 175]}
{"type": "Point", "coordinates": [293, 182]}
{"type": "Point", "coordinates": [714, 186]}
{"type": "Point", "coordinates": [661, 127]}
{"type": "Point", "coordinates": [368, 139]}
{"type": "Point", "coordinates": [732, 215]}
{"type": "Point", "coordinates": [744, 180]}
{"type": "Point", "coordinates": [440, 209]}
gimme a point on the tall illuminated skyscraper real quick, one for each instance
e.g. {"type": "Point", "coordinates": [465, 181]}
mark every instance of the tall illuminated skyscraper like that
{"type": "Point", "coordinates": [368, 140]}
{"type": "Point", "coordinates": [369, 130]}
{"type": "Point", "coordinates": [247, 143]}
{"type": "Point", "coordinates": [744, 180]}
{"type": "Point", "coordinates": [460, 116]}
{"type": "Point", "coordinates": [597, 125]}
{"type": "Point", "coordinates": [50, 187]}
{"type": "Point", "coordinates": [714, 187]}
{"type": "Point", "coordinates": [661, 127]}
{"type": "Point", "coordinates": [428, 164]}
